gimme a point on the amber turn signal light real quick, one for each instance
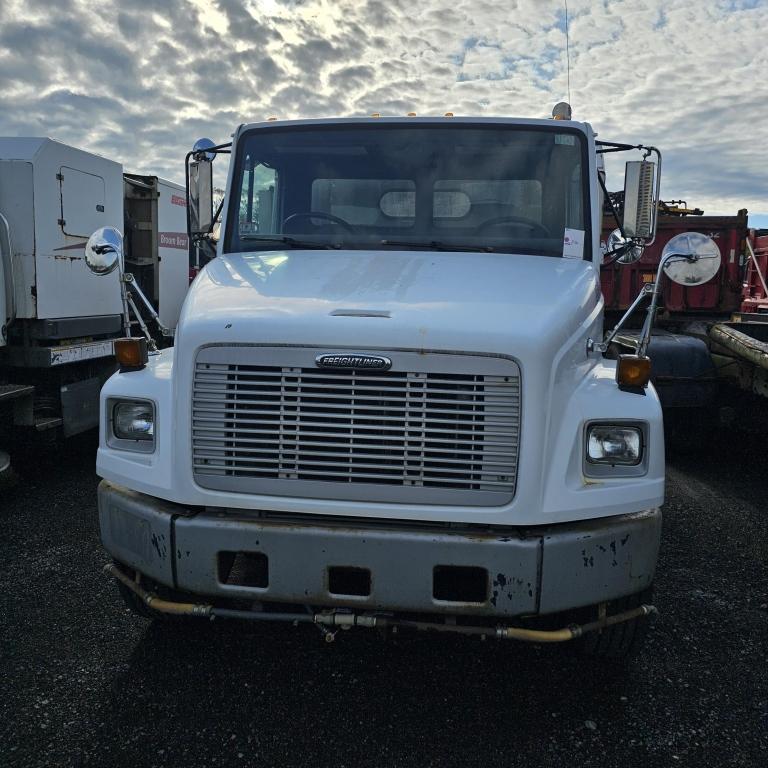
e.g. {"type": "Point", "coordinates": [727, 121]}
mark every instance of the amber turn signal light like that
{"type": "Point", "coordinates": [633, 371]}
{"type": "Point", "coordinates": [131, 354]}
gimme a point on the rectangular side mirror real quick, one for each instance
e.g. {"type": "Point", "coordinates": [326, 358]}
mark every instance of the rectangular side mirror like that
{"type": "Point", "coordinates": [200, 197]}
{"type": "Point", "coordinates": [639, 201]}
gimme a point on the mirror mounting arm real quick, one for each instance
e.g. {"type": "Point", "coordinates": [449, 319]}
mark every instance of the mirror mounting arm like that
{"type": "Point", "coordinates": [147, 335]}
{"type": "Point", "coordinates": [129, 279]}
{"type": "Point", "coordinates": [649, 289]}
{"type": "Point", "coordinates": [602, 346]}
{"type": "Point", "coordinates": [655, 291]}
{"type": "Point", "coordinates": [645, 333]}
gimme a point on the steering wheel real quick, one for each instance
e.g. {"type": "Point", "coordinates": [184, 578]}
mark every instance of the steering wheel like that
{"type": "Point", "coordinates": [521, 220]}
{"type": "Point", "coordinates": [319, 215]}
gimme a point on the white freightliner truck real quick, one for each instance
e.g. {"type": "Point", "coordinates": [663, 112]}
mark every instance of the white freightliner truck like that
{"type": "Point", "coordinates": [371, 417]}
{"type": "Point", "coordinates": [58, 319]}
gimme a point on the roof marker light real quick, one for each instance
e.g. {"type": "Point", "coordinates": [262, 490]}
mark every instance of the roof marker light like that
{"type": "Point", "coordinates": [562, 111]}
{"type": "Point", "coordinates": [375, 114]}
{"type": "Point", "coordinates": [448, 114]}
{"type": "Point", "coordinates": [411, 114]}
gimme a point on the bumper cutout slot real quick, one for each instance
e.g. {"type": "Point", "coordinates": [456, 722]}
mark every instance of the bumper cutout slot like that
{"type": "Point", "coordinates": [460, 584]}
{"type": "Point", "coordinates": [347, 581]}
{"type": "Point", "coordinates": [243, 569]}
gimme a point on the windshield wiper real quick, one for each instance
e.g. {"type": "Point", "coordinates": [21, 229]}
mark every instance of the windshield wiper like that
{"type": "Point", "coordinates": [290, 241]}
{"type": "Point", "coordinates": [438, 245]}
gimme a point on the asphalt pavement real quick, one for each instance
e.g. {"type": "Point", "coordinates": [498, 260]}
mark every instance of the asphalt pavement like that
{"type": "Point", "coordinates": [85, 683]}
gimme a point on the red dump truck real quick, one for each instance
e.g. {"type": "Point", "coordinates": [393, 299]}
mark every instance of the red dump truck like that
{"type": "Point", "coordinates": [708, 336]}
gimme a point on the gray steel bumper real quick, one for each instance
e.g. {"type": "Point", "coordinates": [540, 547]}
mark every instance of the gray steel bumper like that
{"type": "Point", "coordinates": [529, 571]}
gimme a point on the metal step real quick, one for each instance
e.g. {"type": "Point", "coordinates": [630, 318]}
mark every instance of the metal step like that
{"type": "Point", "coordinates": [13, 391]}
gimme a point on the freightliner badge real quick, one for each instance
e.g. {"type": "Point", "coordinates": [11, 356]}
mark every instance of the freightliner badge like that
{"type": "Point", "coordinates": [355, 362]}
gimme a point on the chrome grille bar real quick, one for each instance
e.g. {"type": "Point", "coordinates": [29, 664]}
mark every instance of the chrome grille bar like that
{"type": "Point", "coordinates": [424, 435]}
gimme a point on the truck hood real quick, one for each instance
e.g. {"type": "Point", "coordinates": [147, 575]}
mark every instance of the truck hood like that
{"type": "Point", "coordinates": [537, 310]}
{"type": "Point", "coordinates": [496, 303]}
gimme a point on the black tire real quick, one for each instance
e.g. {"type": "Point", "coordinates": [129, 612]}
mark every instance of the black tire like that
{"type": "Point", "coordinates": [621, 640]}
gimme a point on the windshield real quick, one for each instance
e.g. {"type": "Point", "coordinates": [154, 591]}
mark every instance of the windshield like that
{"type": "Point", "coordinates": [386, 186]}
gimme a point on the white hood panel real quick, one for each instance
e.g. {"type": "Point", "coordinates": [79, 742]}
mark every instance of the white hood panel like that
{"type": "Point", "coordinates": [440, 301]}
{"type": "Point", "coordinates": [537, 310]}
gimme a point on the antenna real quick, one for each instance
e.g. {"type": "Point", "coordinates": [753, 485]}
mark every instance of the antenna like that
{"type": "Point", "coordinates": [567, 51]}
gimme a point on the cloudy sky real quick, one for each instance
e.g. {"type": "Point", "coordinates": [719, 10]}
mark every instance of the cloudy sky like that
{"type": "Point", "coordinates": [140, 80]}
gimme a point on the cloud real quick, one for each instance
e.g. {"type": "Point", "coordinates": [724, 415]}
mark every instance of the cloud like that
{"type": "Point", "coordinates": [139, 80]}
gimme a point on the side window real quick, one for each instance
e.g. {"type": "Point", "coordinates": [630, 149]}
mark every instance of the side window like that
{"type": "Point", "coordinates": [258, 200]}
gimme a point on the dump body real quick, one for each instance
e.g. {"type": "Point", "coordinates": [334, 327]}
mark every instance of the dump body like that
{"type": "Point", "coordinates": [719, 297]}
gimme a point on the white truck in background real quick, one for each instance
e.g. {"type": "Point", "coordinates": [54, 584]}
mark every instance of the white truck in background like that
{"type": "Point", "coordinates": [58, 319]}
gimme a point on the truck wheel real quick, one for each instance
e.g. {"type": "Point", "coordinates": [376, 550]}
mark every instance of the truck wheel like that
{"type": "Point", "coordinates": [621, 640]}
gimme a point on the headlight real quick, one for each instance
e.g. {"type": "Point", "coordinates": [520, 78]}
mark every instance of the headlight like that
{"type": "Point", "coordinates": [132, 425]}
{"type": "Point", "coordinates": [608, 444]}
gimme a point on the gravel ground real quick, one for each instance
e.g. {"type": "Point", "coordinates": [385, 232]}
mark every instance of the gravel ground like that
{"type": "Point", "coordinates": [83, 682]}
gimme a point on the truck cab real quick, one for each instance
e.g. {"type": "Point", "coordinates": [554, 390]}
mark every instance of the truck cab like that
{"type": "Point", "coordinates": [371, 417]}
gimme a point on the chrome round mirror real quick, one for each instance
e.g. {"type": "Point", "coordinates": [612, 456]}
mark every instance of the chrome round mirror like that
{"type": "Point", "coordinates": [199, 150]}
{"type": "Point", "coordinates": [616, 240]}
{"type": "Point", "coordinates": [691, 259]}
{"type": "Point", "coordinates": [104, 250]}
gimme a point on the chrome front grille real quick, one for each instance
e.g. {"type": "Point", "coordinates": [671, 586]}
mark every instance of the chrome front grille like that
{"type": "Point", "coordinates": [443, 431]}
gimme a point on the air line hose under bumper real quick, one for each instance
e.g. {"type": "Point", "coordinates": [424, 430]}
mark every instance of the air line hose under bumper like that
{"type": "Point", "coordinates": [347, 620]}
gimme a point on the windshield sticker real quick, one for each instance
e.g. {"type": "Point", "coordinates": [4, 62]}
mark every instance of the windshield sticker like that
{"type": "Point", "coordinates": [567, 139]}
{"type": "Point", "coordinates": [573, 243]}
